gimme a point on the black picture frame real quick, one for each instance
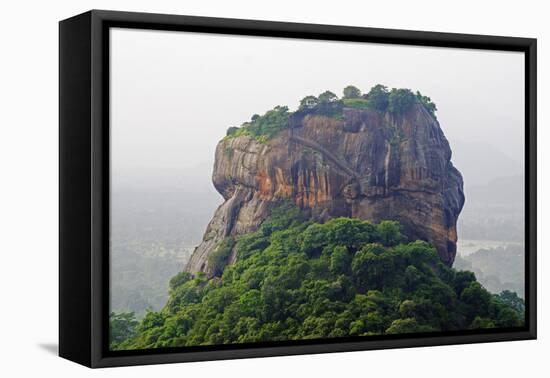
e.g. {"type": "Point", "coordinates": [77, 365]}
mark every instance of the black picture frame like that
{"type": "Point", "coordinates": [84, 184]}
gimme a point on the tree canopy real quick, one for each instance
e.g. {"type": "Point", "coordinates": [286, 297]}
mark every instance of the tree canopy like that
{"type": "Point", "coordinates": [378, 97]}
{"type": "Point", "coordinates": [297, 279]}
{"type": "Point", "coordinates": [122, 327]}
{"type": "Point", "coordinates": [327, 96]}
{"type": "Point", "coordinates": [427, 102]}
{"type": "Point", "coordinates": [263, 127]}
{"type": "Point", "coordinates": [351, 92]}
{"type": "Point", "coordinates": [400, 100]}
{"type": "Point", "coordinates": [395, 101]}
{"type": "Point", "coordinates": [308, 102]}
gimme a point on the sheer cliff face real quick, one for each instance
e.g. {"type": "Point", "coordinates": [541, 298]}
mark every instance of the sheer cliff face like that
{"type": "Point", "coordinates": [370, 165]}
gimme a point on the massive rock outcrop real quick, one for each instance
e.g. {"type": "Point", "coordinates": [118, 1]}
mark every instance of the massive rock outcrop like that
{"type": "Point", "coordinates": [370, 165]}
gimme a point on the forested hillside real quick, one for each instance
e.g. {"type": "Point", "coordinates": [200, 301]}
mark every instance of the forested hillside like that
{"type": "Point", "coordinates": [296, 279]}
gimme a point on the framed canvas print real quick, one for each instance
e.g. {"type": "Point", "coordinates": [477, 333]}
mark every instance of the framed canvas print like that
{"type": "Point", "coordinates": [236, 188]}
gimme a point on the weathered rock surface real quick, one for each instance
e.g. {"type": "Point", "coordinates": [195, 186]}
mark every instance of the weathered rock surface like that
{"type": "Point", "coordinates": [373, 166]}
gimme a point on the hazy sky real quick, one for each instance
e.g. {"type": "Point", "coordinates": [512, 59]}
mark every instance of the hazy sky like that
{"type": "Point", "coordinates": [174, 94]}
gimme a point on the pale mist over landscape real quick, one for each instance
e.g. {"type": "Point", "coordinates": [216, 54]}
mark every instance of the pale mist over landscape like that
{"type": "Point", "coordinates": [174, 94]}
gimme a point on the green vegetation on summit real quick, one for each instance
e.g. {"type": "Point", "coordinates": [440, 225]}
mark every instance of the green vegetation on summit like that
{"type": "Point", "coordinates": [379, 98]}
